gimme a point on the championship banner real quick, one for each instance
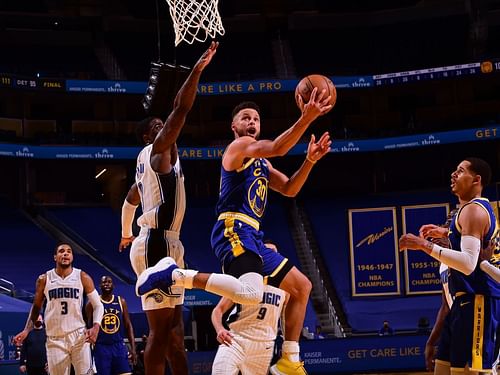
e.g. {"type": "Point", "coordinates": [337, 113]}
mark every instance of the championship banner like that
{"type": "Point", "coordinates": [421, 270]}
{"type": "Point", "coordinates": [374, 251]}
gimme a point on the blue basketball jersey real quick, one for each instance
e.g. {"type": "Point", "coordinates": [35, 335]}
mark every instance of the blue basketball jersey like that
{"type": "Point", "coordinates": [244, 190]}
{"type": "Point", "coordinates": [111, 324]}
{"type": "Point", "coordinates": [477, 282]}
{"type": "Point", "coordinates": [240, 211]}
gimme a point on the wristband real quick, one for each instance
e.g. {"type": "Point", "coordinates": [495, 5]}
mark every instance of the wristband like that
{"type": "Point", "coordinates": [310, 160]}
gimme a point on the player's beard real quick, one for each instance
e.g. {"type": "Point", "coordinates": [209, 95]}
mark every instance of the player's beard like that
{"type": "Point", "coordinates": [65, 265]}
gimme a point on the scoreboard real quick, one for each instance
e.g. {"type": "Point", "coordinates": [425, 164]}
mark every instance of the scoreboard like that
{"type": "Point", "coordinates": [443, 72]}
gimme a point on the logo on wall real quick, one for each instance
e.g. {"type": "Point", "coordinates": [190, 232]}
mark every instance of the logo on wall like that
{"type": "Point", "coordinates": [371, 238]}
{"type": "Point", "coordinates": [104, 154]}
{"type": "Point", "coordinates": [351, 147]}
{"type": "Point", "coordinates": [361, 82]}
{"type": "Point", "coordinates": [25, 153]}
{"type": "Point", "coordinates": [117, 88]}
{"type": "Point", "coordinates": [430, 140]}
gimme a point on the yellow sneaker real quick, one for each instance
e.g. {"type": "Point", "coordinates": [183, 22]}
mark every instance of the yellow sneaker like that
{"type": "Point", "coordinates": [286, 367]}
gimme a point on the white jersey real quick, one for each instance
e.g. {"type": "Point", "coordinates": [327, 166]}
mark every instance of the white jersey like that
{"type": "Point", "coordinates": [443, 272]}
{"type": "Point", "coordinates": [63, 313]}
{"type": "Point", "coordinates": [163, 198]}
{"type": "Point", "coordinates": [259, 322]}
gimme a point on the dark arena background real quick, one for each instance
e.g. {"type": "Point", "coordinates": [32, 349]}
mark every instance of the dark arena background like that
{"type": "Point", "coordinates": [418, 86]}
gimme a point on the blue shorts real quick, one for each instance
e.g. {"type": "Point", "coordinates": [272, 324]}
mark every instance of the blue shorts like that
{"type": "Point", "coordinates": [231, 238]}
{"type": "Point", "coordinates": [111, 359]}
{"type": "Point", "coordinates": [473, 323]}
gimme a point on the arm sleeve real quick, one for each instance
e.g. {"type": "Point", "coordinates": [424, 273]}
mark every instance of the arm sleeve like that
{"type": "Point", "coordinates": [490, 270]}
{"type": "Point", "coordinates": [128, 213]}
{"type": "Point", "coordinates": [464, 260]}
{"type": "Point", "coordinates": [97, 305]}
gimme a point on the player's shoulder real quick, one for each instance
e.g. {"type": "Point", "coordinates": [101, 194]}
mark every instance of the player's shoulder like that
{"type": "Point", "coordinates": [84, 276]}
{"type": "Point", "coordinates": [145, 151]}
{"type": "Point", "coordinates": [240, 141]}
{"type": "Point", "coordinates": [41, 281]}
{"type": "Point", "coordinates": [475, 209]}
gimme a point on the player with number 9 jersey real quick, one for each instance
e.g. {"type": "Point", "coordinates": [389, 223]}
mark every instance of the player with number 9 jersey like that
{"type": "Point", "coordinates": [249, 344]}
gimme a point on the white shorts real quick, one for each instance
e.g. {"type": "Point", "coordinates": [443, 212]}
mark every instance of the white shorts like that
{"type": "Point", "coordinates": [147, 249]}
{"type": "Point", "coordinates": [62, 351]}
{"type": "Point", "coordinates": [248, 356]}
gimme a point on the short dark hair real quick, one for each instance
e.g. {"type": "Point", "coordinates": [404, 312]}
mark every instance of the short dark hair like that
{"type": "Point", "coordinates": [142, 128]}
{"type": "Point", "coordinates": [481, 168]}
{"type": "Point", "coordinates": [244, 105]}
{"type": "Point", "coordinates": [62, 243]}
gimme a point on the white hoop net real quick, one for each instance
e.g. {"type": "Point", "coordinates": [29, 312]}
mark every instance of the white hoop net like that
{"type": "Point", "coordinates": [195, 20]}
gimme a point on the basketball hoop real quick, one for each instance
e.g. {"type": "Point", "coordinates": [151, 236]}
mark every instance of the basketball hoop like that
{"type": "Point", "coordinates": [195, 20]}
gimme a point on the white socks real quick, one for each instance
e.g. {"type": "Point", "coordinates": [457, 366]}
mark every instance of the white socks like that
{"type": "Point", "coordinates": [183, 277]}
{"type": "Point", "coordinates": [247, 290]}
{"type": "Point", "coordinates": [291, 350]}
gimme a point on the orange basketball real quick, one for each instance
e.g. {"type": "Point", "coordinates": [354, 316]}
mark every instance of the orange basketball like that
{"type": "Point", "coordinates": [307, 84]}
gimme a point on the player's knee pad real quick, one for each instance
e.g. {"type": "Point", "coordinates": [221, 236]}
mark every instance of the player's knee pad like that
{"type": "Point", "coordinates": [252, 289]}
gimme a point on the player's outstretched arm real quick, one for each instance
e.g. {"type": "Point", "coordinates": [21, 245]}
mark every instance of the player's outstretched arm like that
{"type": "Point", "coordinates": [247, 147]}
{"type": "Point", "coordinates": [290, 187]}
{"type": "Point", "coordinates": [130, 330]}
{"type": "Point", "coordinates": [473, 221]}
{"type": "Point", "coordinates": [183, 103]}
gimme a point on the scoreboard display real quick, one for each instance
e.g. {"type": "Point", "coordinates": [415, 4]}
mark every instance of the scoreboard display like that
{"type": "Point", "coordinates": [443, 72]}
{"type": "Point", "coordinates": [5, 80]}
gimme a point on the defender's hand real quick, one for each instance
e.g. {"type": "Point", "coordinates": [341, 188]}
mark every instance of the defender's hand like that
{"type": "Point", "coordinates": [224, 337]}
{"type": "Point", "coordinates": [207, 56]}
{"type": "Point", "coordinates": [125, 242]}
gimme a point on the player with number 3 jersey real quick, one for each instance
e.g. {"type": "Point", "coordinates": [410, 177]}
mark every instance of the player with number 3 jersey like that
{"type": "Point", "coordinates": [68, 341]}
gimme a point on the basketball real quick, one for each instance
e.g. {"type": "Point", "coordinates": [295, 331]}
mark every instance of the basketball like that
{"type": "Point", "coordinates": [308, 83]}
